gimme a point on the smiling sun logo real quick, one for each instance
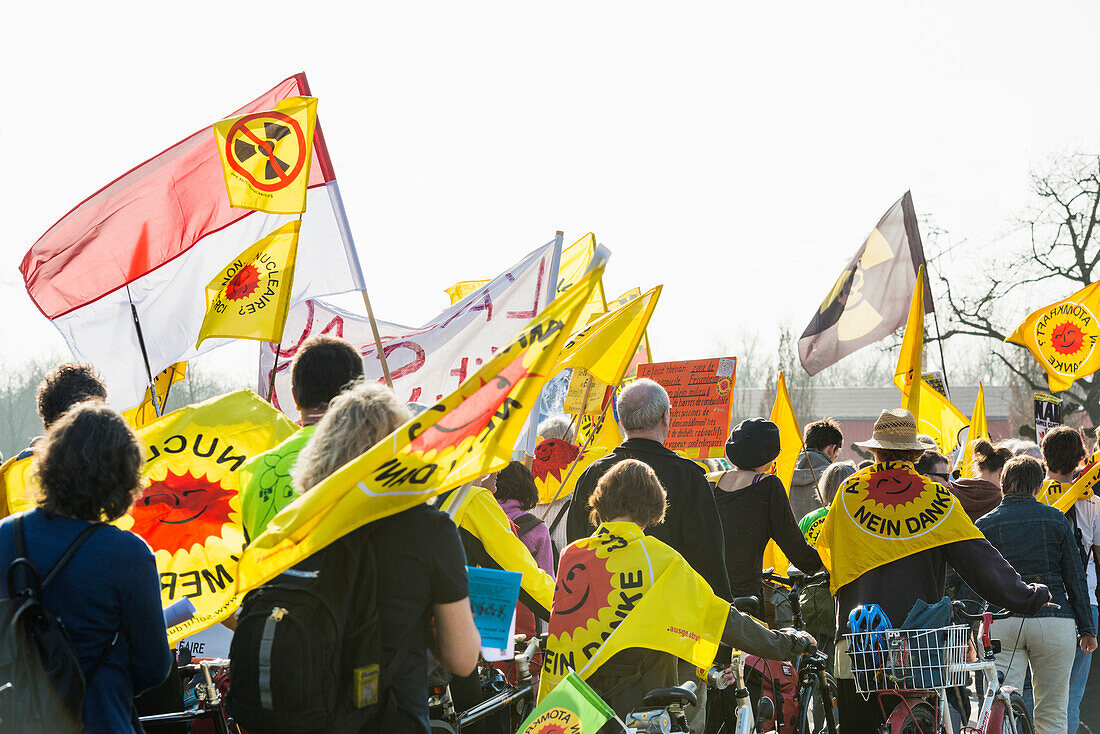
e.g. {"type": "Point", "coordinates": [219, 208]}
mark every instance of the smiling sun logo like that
{"type": "Point", "coordinates": [1066, 336]}
{"type": "Point", "coordinates": [243, 284]}
{"type": "Point", "coordinates": [582, 591]}
{"type": "Point", "coordinates": [180, 511]}
{"type": "Point", "coordinates": [892, 501]}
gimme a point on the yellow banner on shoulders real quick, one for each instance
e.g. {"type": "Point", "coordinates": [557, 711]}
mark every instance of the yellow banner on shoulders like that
{"type": "Point", "coordinates": [477, 511]}
{"type": "Point", "coordinates": [885, 512]}
{"type": "Point", "coordinates": [1063, 495]}
{"type": "Point", "coordinates": [469, 434]}
{"type": "Point", "coordinates": [266, 156]}
{"type": "Point", "coordinates": [190, 511]}
{"type": "Point", "coordinates": [619, 589]}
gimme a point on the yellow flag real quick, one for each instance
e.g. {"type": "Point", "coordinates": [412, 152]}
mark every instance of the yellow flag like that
{"type": "Point", "coordinates": [978, 429]}
{"type": "Point", "coordinates": [790, 446]}
{"type": "Point", "coordinates": [20, 490]}
{"type": "Point", "coordinates": [1063, 495]}
{"type": "Point", "coordinates": [460, 290]}
{"type": "Point", "coordinates": [605, 349]}
{"type": "Point", "coordinates": [249, 298]}
{"type": "Point", "coordinates": [477, 511]}
{"type": "Point", "coordinates": [469, 434]}
{"type": "Point", "coordinates": [147, 412]}
{"type": "Point", "coordinates": [885, 512]}
{"type": "Point", "coordinates": [939, 418]}
{"type": "Point", "coordinates": [619, 589]}
{"type": "Point", "coordinates": [910, 360]}
{"type": "Point", "coordinates": [645, 353]}
{"type": "Point", "coordinates": [1063, 336]}
{"type": "Point", "coordinates": [190, 511]}
{"type": "Point", "coordinates": [266, 156]}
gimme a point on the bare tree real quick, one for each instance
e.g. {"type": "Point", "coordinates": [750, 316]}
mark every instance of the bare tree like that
{"type": "Point", "coordinates": [1058, 251]}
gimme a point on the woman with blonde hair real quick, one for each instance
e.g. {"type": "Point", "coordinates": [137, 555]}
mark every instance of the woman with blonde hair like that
{"type": "Point", "coordinates": [419, 568]}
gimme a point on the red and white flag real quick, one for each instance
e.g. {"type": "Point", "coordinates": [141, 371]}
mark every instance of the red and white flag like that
{"type": "Point", "coordinates": [157, 235]}
{"type": "Point", "coordinates": [429, 362]}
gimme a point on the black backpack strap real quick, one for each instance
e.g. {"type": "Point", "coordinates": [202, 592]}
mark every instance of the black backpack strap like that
{"type": "Point", "coordinates": [561, 514]}
{"type": "Point", "coordinates": [70, 551]}
{"type": "Point", "coordinates": [526, 522]}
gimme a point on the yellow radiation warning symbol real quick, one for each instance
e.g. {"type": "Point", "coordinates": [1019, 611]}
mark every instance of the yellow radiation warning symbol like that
{"type": "Point", "coordinates": [268, 149]}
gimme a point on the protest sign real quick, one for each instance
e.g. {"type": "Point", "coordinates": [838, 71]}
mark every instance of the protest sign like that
{"type": "Point", "coordinates": [1048, 414]}
{"type": "Point", "coordinates": [586, 394]}
{"type": "Point", "coordinates": [493, 597]}
{"type": "Point", "coordinates": [701, 392]}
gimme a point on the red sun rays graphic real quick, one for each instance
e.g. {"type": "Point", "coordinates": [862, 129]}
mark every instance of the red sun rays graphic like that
{"type": "Point", "coordinates": [552, 457]}
{"type": "Point", "coordinates": [473, 414]}
{"type": "Point", "coordinates": [177, 512]}
{"type": "Point", "coordinates": [893, 487]}
{"type": "Point", "coordinates": [243, 284]}
{"type": "Point", "coordinates": [1067, 338]}
{"type": "Point", "coordinates": [583, 585]}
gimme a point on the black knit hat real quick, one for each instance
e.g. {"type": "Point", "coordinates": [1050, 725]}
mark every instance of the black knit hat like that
{"type": "Point", "coordinates": [754, 442]}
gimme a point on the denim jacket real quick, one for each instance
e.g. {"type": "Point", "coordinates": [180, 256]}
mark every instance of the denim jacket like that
{"type": "Point", "coordinates": [1038, 541]}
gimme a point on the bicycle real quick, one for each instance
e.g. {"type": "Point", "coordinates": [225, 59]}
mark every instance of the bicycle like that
{"type": "Point", "coordinates": [201, 697]}
{"type": "Point", "coordinates": [518, 698]}
{"type": "Point", "coordinates": [817, 689]}
{"type": "Point", "coordinates": [918, 666]}
{"type": "Point", "coordinates": [664, 710]}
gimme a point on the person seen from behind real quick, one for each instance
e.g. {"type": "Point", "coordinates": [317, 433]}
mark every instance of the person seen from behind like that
{"type": "Point", "coordinates": [981, 492]}
{"type": "Point", "coordinates": [627, 499]}
{"type": "Point", "coordinates": [1064, 450]}
{"type": "Point", "coordinates": [323, 367]}
{"type": "Point", "coordinates": [1038, 541]}
{"type": "Point", "coordinates": [108, 594]}
{"type": "Point", "coordinates": [822, 440]}
{"type": "Point", "coordinates": [420, 565]}
{"type": "Point", "coordinates": [885, 559]}
{"type": "Point", "coordinates": [754, 509]}
{"type": "Point", "coordinates": [515, 491]}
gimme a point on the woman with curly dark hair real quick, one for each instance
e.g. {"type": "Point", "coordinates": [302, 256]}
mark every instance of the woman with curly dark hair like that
{"type": "Point", "coordinates": [108, 594]}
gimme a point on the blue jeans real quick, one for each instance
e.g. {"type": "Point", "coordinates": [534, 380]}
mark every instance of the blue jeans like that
{"type": "Point", "coordinates": [1077, 679]}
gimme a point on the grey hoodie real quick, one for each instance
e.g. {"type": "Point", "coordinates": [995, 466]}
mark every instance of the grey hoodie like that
{"type": "Point", "coordinates": [803, 492]}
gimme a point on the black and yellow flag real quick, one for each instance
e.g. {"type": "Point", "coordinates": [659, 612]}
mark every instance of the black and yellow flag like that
{"type": "Point", "coordinates": [870, 299]}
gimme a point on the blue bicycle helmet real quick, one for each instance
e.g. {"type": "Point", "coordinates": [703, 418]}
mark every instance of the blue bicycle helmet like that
{"type": "Point", "coordinates": [869, 618]}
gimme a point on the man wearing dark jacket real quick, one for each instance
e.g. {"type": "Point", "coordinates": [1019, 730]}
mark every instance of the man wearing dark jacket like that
{"type": "Point", "coordinates": [879, 556]}
{"type": "Point", "coordinates": [691, 525]}
{"type": "Point", "coordinates": [822, 440]}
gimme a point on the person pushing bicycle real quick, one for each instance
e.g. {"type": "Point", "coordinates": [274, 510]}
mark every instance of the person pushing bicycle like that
{"type": "Point", "coordinates": [627, 606]}
{"type": "Point", "coordinates": [887, 540]}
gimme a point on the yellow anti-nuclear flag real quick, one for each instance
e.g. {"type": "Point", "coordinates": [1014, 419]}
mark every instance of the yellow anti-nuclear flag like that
{"type": "Point", "coordinates": [909, 368]}
{"type": "Point", "coordinates": [147, 411]}
{"type": "Point", "coordinates": [605, 349]}
{"type": "Point", "coordinates": [249, 298]}
{"type": "Point", "coordinates": [790, 446]}
{"type": "Point", "coordinates": [939, 418]}
{"type": "Point", "coordinates": [635, 592]}
{"type": "Point", "coordinates": [1063, 336]}
{"type": "Point", "coordinates": [19, 488]}
{"type": "Point", "coordinates": [266, 156]}
{"type": "Point", "coordinates": [190, 511]}
{"type": "Point", "coordinates": [978, 429]}
{"type": "Point", "coordinates": [469, 434]}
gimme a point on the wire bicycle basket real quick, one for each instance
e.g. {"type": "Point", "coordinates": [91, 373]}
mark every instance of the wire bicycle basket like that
{"type": "Point", "coordinates": [903, 659]}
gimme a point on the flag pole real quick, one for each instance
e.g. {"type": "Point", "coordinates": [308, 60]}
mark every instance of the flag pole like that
{"type": "Point", "coordinates": [144, 353]}
{"type": "Point", "coordinates": [274, 371]}
{"type": "Point", "coordinates": [551, 294]}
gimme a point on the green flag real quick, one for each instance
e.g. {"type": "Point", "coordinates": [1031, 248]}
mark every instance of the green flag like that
{"type": "Point", "coordinates": [572, 708]}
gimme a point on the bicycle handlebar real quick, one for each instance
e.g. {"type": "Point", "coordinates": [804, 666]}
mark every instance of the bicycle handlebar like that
{"type": "Point", "coordinates": [961, 613]}
{"type": "Point", "coordinates": [801, 581]}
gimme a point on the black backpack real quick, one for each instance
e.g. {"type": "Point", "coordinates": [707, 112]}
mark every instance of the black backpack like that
{"type": "Point", "coordinates": [306, 654]}
{"type": "Point", "coordinates": [36, 655]}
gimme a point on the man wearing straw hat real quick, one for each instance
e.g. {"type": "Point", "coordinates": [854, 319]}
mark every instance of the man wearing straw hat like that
{"type": "Point", "coordinates": [887, 540]}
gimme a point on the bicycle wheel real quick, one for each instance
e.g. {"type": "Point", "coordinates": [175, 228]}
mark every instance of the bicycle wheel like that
{"type": "Point", "coordinates": [920, 718]}
{"type": "Point", "coordinates": [1023, 721]}
{"type": "Point", "coordinates": [817, 707]}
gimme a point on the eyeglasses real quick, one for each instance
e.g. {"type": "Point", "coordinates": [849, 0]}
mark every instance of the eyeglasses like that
{"type": "Point", "coordinates": [944, 477]}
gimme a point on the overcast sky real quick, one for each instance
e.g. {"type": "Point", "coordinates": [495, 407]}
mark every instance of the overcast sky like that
{"type": "Point", "coordinates": [738, 153]}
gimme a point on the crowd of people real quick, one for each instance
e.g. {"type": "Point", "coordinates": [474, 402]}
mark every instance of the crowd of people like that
{"type": "Point", "coordinates": [1005, 548]}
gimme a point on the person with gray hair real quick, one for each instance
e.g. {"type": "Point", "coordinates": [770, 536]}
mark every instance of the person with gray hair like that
{"type": "Point", "coordinates": [691, 525]}
{"type": "Point", "coordinates": [558, 426]}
